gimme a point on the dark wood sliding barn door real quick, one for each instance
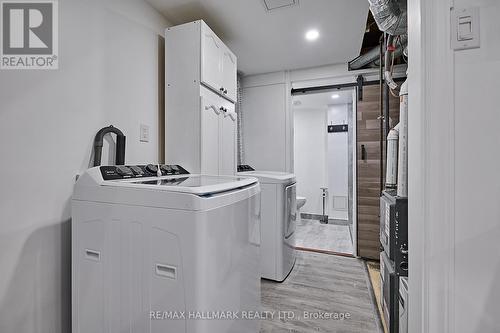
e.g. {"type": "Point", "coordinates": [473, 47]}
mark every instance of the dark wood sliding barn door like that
{"type": "Point", "coordinates": [368, 169]}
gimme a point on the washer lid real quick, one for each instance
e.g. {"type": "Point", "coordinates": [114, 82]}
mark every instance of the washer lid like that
{"type": "Point", "coordinates": [194, 184]}
{"type": "Point", "coordinates": [272, 177]}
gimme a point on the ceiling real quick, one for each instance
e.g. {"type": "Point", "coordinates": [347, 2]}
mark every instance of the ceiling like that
{"type": "Point", "coordinates": [321, 100]}
{"type": "Point", "coordinates": [268, 41]}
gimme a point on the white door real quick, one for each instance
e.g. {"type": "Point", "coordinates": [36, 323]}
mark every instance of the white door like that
{"type": "Point", "coordinates": [211, 58]}
{"type": "Point", "coordinates": [210, 113]}
{"type": "Point", "coordinates": [229, 68]}
{"type": "Point", "coordinates": [228, 139]}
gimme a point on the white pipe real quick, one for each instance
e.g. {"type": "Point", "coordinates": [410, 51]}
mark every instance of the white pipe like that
{"type": "Point", "coordinates": [391, 175]}
{"type": "Point", "coordinates": [403, 142]}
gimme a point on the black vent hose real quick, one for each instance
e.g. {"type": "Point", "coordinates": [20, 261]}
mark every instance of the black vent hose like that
{"type": "Point", "coordinates": [120, 145]}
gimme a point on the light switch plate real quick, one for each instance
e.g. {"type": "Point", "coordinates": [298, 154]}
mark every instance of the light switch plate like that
{"type": "Point", "coordinates": [465, 29]}
{"type": "Point", "coordinates": [144, 133]}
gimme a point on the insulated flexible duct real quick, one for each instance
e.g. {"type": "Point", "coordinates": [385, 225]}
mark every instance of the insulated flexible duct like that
{"type": "Point", "coordinates": [390, 15]}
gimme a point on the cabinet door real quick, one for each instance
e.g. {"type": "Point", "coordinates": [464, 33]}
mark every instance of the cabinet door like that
{"type": "Point", "coordinates": [228, 140]}
{"type": "Point", "coordinates": [210, 111]}
{"type": "Point", "coordinates": [211, 58]}
{"type": "Point", "coordinates": [229, 68]}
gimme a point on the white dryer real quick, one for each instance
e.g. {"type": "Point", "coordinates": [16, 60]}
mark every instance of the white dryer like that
{"type": "Point", "coordinates": [169, 253]}
{"type": "Point", "coordinates": [278, 221]}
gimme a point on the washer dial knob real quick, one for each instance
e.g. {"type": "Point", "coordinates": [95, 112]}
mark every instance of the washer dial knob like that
{"type": "Point", "coordinates": [166, 168]}
{"type": "Point", "coordinates": [151, 168]}
{"type": "Point", "coordinates": [124, 171]}
{"type": "Point", "coordinates": [137, 170]}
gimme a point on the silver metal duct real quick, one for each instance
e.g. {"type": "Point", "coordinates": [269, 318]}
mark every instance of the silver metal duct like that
{"type": "Point", "coordinates": [390, 15]}
{"type": "Point", "coordinates": [365, 59]}
{"type": "Point", "coordinates": [372, 56]}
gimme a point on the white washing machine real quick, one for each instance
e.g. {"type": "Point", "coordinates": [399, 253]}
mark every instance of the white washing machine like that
{"type": "Point", "coordinates": [278, 221]}
{"type": "Point", "coordinates": [168, 253]}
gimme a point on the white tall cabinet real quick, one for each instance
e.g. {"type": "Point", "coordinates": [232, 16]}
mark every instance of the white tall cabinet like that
{"type": "Point", "coordinates": [200, 117]}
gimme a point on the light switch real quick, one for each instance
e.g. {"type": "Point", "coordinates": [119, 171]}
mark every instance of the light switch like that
{"type": "Point", "coordinates": [465, 29]}
{"type": "Point", "coordinates": [144, 133]}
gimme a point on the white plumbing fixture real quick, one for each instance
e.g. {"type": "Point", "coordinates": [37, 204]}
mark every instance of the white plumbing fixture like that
{"type": "Point", "coordinates": [301, 201]}
{"type": "Point", "coordinates": [403, 142]}
{"type": "Point", "coordinates": [391, 178]}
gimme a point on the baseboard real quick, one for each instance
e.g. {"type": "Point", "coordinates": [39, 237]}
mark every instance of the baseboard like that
{"type": "Point", "coordinates": [318, 217]}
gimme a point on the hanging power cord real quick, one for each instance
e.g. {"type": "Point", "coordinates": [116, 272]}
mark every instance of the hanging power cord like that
{"type": "Point", "coordinates": [391, 48]}
{"type": "Point", "coordinates": [394, 92]}
{"type": "Point", "coordinates": [404, 55]}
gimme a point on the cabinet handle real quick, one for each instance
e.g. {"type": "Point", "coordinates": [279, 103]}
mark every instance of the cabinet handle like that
{"type": "Point", "coordinates": [166, 271]}
{"type": "Point", "coordinates": [93, 255]}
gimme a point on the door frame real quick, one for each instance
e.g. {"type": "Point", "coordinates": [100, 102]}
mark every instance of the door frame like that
{"type": "Point", "coordinates": [353, 133]}
{"type": "Point", "coordinates": [431, 118]}
{"type": "Point", "coordinates": [355, 172]}
{"type": "Point", "coordinates": [307, 82]}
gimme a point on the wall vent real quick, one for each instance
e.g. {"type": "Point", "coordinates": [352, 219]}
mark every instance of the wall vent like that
{"type": "Point", "coordinates": [278, 4]}
{"type": "Point", "coordinates": [340, 203]}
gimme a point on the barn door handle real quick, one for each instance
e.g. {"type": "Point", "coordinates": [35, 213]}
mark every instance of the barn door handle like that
{"type": "Point", "coordinates": [363, 153]}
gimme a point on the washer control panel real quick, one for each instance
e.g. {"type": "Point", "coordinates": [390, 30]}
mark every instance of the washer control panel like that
{"type": "Point", "coordinates": [245, 168]}
{"type": "Point", "coordinates": [113, 172]}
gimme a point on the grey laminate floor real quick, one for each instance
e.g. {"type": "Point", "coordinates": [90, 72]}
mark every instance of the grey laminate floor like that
{"type": "Point", "coordinates": [311, 234]}
{"type": "Point", "coordinates": [321, 283]}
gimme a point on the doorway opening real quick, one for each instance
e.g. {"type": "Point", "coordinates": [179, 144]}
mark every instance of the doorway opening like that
{"type": "Point", "coordinates": [324, 164]}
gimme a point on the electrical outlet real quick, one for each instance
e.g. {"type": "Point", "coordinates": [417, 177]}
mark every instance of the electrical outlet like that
{"type": "Point", "coordinates": [144, 133]}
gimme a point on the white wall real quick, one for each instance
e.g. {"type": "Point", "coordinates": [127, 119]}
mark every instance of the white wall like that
{"type": "Point", "coordinates": [476, 159]}
{"type": "Point", "coordinates": [267, 122]}
{"type": "Point", "coordinates": [338, 163]}
{"type": "Point", "coordinates": [264, 127]}
{"type": "Point", "coordinates": [477, 218]}
{"type": "Point", "coordinates": [310, 158]}
{"type": "Point", "coordinates": [453, 176]}
{"type": "Point", "coordinates": [108, 75]}
{"type": "Point", "coordinates": [321, 158]}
